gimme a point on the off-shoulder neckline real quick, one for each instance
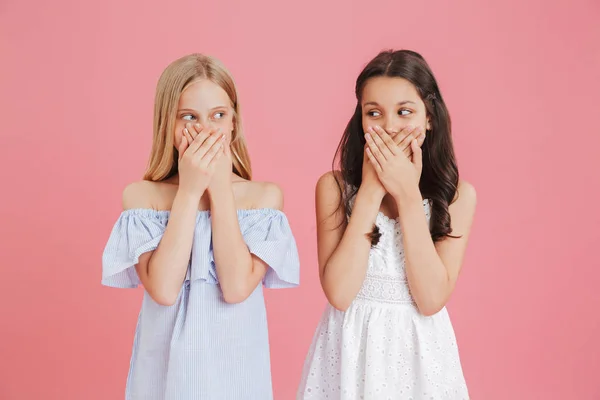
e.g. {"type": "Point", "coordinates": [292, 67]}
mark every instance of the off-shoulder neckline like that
{"type": "Point", "coordinates": [240, 211]}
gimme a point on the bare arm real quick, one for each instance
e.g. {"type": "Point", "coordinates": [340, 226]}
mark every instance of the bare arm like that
{"type": "Point", "coordinates": [343, 248]}
{"type": "Point", "coordinates": [239, 271]}
{"type": "Point", "coordinates": [432, 269]}
{"type": "Point", "coordinates": [163, 271]}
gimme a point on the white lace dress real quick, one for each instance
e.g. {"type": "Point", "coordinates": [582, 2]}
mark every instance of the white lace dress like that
{"type": "Point", "coordinates": [381, 347]}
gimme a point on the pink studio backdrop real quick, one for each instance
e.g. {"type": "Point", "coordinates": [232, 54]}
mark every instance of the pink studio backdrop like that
{"type": "Point", "coordinates": [521, 80]}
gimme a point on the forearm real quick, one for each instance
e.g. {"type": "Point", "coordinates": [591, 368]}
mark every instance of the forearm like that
{"type": "Point", "coordinates": [232, 258]}
{"type": "Point", "coordinates": [167, 267]}
{"type": "Point", "coordinates": [346, 268]}
{"type": "Point", "coordinates": [427, 276]}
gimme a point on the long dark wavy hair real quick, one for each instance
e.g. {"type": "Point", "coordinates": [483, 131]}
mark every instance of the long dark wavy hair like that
{"type": "Point", "coordinates": [439, 178]}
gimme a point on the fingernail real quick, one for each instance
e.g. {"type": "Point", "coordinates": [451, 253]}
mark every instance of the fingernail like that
{"type": "Point", "coordinates": [197, 126]}
{"type": "Point", "coordinates": [185, 130]}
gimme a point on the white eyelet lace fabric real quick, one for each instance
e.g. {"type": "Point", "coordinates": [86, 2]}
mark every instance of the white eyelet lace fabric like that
{"type": "Point", "coordinates": [382, 348]}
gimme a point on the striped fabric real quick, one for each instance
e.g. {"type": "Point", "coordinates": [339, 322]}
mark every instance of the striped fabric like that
{"type": "Point", "coordinates": [201, 347]}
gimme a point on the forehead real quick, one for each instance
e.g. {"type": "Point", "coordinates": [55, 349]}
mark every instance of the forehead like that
{"type": "Point", "coordinates": [203, 94]}
{"type": "Point", "coordinates": [389, 91]}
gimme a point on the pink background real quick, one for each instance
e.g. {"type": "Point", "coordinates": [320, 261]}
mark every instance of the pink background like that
{"type": "Point", "coordinates": [521, 80]}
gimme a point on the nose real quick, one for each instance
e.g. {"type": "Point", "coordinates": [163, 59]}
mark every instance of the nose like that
{"type": "Point", "coordinates": [391, 125]}
{"type": "Point", "coordinates": [205, 122]}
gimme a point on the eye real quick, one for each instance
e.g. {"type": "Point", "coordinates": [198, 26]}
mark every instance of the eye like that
{"type": "Point", "coordinates": [188, 117]}
{"type": "Point", "coordinates": [404, 112]}
{"type": "Point", "coordinates": [373, 114]}
{"type": "Point", "coordinates": [219, 115]}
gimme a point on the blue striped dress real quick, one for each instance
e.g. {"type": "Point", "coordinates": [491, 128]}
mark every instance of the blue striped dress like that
{"type": "Point", "coordinates": [201, 347]}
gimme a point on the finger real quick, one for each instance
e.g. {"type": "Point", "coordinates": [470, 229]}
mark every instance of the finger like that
{"type": "Point", "coordinates": [216, 146]}
{"type": "Point", "coordinates": [188, 136]}
{"type": "Point", "coordinates": [199, 139]}
{"type": "Point", "coordinates": [182, 146]}
{"type": "Point", "coordinates": [204, 132]}
{"type": "Point", "coordinates": [213, 138]}
{"type": "Point", "coordinates": [409, 134]}
{"type": "Point", "coordinates": [373, 160]}
{"type": "Point", "coordinates": [417, 158]}
{"type": "Point", "coordinates": [191, 131]}
{"type": "Point", "coordinates": [406, 144]}
{"type": "Point", "coordinates": [403, 134]}
{"type": "Point", "coordinates": [378, 138]}
{"type": "Point", "coordinates": [220, 153]}
{"type": "Point", "coordinates": [419, 136]}
{"type": "Point", "coordinates": [196, 129]}
{"type": "Point", "coordinates": [374, 148]}
{"type": "Point", "coordinates": [371, 136]}
{"type": "Point", "coordinates": [387, 140]}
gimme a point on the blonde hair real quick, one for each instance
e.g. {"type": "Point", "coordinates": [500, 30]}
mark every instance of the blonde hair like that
{"type": "Point", "coordinates": [163, 162]}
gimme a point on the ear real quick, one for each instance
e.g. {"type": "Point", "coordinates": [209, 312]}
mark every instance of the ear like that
{"type": "Point", "coordinates": [428, 127]}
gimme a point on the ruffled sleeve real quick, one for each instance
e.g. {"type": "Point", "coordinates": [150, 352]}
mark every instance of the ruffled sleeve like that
{"type": "Point", "coordinates": [269, 237]}
{"type": "Point", "coordinates": [136, 232]}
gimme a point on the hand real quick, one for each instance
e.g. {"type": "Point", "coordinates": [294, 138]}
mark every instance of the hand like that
{"type": "Point", "coordinates": [370, 180]}
{"type": "Point", "coordinates": [199, 151]}
{"type": "Point", "coordinates": [395, 170]}
{"type": "Point", "coordinates": [404, 138]}
{"type": "Point", "coordinates": [223, 169]}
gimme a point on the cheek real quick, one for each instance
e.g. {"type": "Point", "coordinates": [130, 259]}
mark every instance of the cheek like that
{"type": "Point", "coordinates": [227, 126]}
{"type": "Point", "coordinates": [418, 120]}
{"type": "Point", "coordinates": [366, 124]}
{"type": "Point", "coordinates": [178, 133]}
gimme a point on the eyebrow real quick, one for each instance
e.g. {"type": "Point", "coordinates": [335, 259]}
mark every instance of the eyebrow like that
{"type": "Point", "coordinates": [373, 103]}
{"type": "Point", "coordinates": [194, 111]}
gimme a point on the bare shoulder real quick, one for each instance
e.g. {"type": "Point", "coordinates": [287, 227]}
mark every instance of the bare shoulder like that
{"type": "Point", "coordinates": [145, 194]}
{"type": "Point", "coordinates": [328, 187]}
{"type": "Point", "coordinates": [466, 196]}
{"type": "Point", "coordinates": [267, 195]}
{"type": "Point", "coordinates": [329, 180]}
{"type": "Point", "coordinates": [462, 210]}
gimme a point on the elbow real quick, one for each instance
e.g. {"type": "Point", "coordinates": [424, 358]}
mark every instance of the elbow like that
{"type": "Point", "coordinates": [430, 300]}
{"type": "Point", "coordinates": [235, 295]}
{"type": "Point", "coordinates": [164, 297]}
{"type": "Point", "coordinates": [165, 300]}
{"type": "Point", "coordinates": [337, 298]}
{"type": "Point", "coordinates": [234, 298]}
{"type": "Point", "coordinates": [429, 308]}
{"type": "Point", "coordinates": [341, 303]}
{"type": "Point", "coordinates": [429, 311]}
{"type": "Point", "coordinates": [340, 306]}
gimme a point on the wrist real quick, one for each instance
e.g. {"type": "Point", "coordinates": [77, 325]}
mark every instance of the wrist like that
{"type": "Point", "coordinates": [219, 193]}
{"type": "Point", "coordinates": [408, 196]}
{"type": "Point", "coordinates": [187, 199]}
{"type": "Point", "coordinates": [219, 183]}
{"type": "Point", "coordinates": [371, 193]}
